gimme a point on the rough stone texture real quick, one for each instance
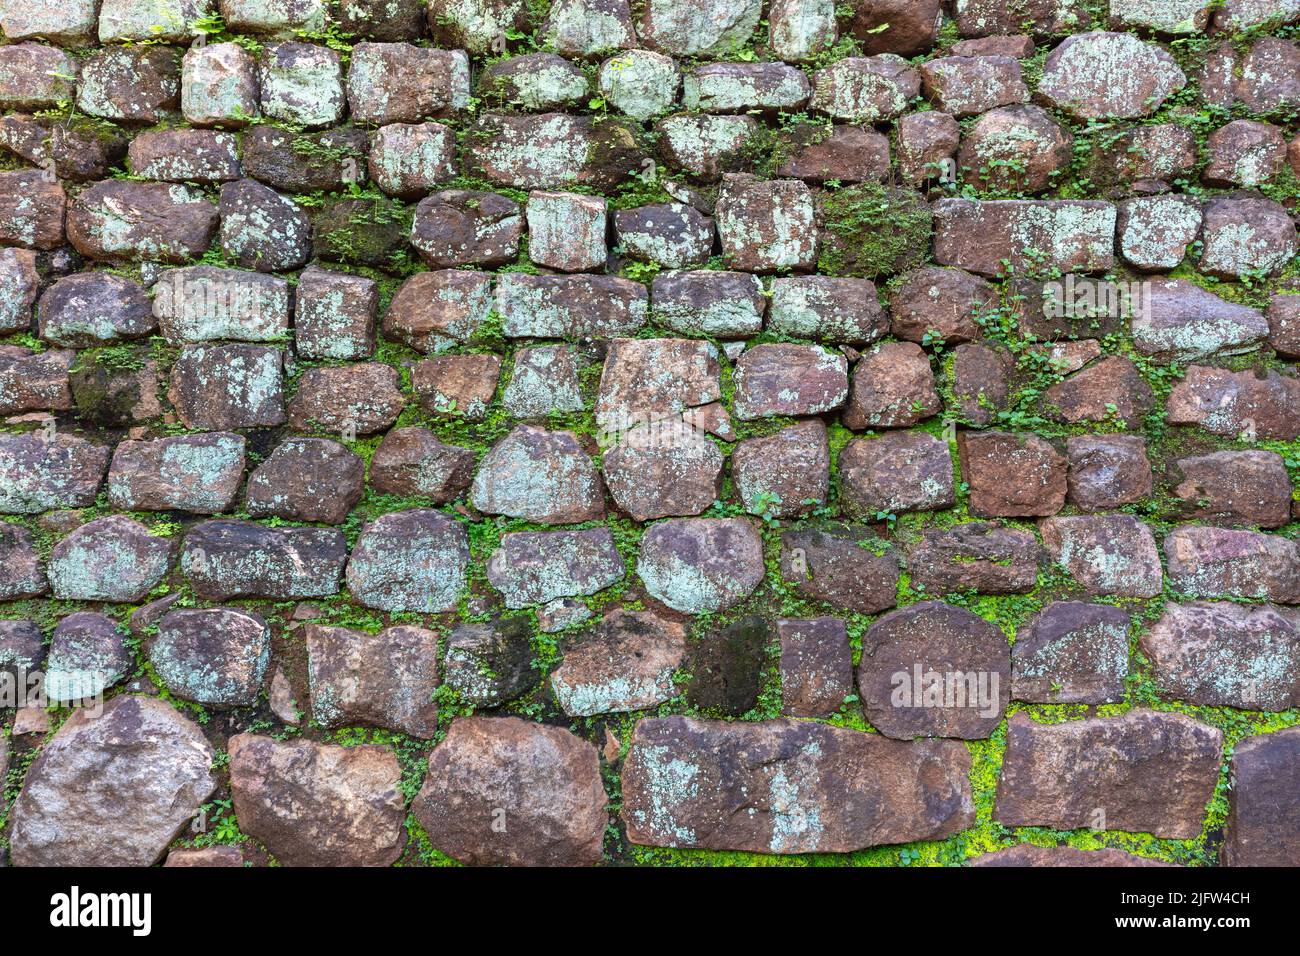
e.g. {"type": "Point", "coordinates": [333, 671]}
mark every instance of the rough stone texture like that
{"type": "Point", "coordinates": [539, 475]}
{"type": "Point", "coordinates": [827, 308]}
{"type": "Point", "coordinates": [352, 400]}
{"type": "Point", "coordinates": [991, 237]}
{"type": "Point", "coordinates": [223, 387]}
{"type": "Point", "coordinates": [892, 387]}
{"type": "Point", "coordinates": [316, 804]}
{"type": "Point", "coordinates": [979, 556]}
{"type": "Point", "coordinates": [22, 572]}
{"type": "Point", "coordinates": [409, 561]}
{"type": "Point", "coordinates": [1222, 654]}
{"type": "Point", "coordinates": [1107, 471]}
{"type": "Point", "coordinates": [698, 565]}
{"type": "Point", "coordinates": [1256, 404]}
{"type": "Point", "coordinates": [1028, 855]}
{"type": "Point", "coordinates": [865, 89]}
{"type": "Point", "coordinates": [1245, 234]}
{"type": "Point", "coordinates": [38, 473]}
{"type": "Point", "coordinates": [225, 559]}
{"type": "Point", "coordinates": [899, 471]}
{"type": "Point", "coordinates": [378, 680]}
{"type": "Point", "coordinates": [262, 230]}
{"type": "Point", "coordinates": [811, 787]}
{"type": "Point", "coordinates": [1109, 75]}
{"type": "Point", "coordinates": [1105, 554]}
{"type": "Point", "coordinates": [766, 226]}
{"type": "Point", "coordinates": [663, 469]}
{"type": "Point", "coordinates": [542, 782]}
{"type": "Point", "coordinates": [112, 790]}
{"type": "Point", "coordinates": [816, 666]}
{"type": "Point", "coordinates": [709, 302]}
{"type": "Point", "coordinates": [1145, 772]}
{"type": "Point", "coordinates": [1015, 149]}
{"type": "Point", "coordinates": [113, 558]}
{"type": "Point", "coordinates": [401, 83]}
{"type": "Point", "coordinates": [784, 475]}
{"type": "Point", "coordinates": [93, 308]}
{"type": "Point", "coordinates": [843, 566]}
{"type": "Point", "coordinates": [413, 462]}
{"type": "Point", "coordinates": [627, 664]}
{"type": "Point", "coordinates": [155, 221]}
{"type": "Point", "coordinates": [1071, 652]}
{"type": "Point", "coordinates": [88, 654]}
{"type": "Point", "coordinates": [196, 473]}
{"type": "Point", "coordinates": [577, 306]}
{"type": "Point", "coordinates": [1233, 488]}
{"type": "Point", "coordinates": [780, 379]}
{"type": "Point", "coordinates": [489, 664]}
{"type": "Point", "coordinates": [306, 479]}
{"type": "Point", "coordinates": [942, 303]}
{"type": "Point", "coordinates": [536, 567]}
{"type": "Point", "coordinates": [1012, 476]}
{"type": "Point", "coordinates": [214, 656]}
{"type": "Point", "coordinates": [1263, 817]}
{"type": "Point", "coordinates": [1155, 231]}
{"type": "Point", "coordinates": [933, 670]}
{"type": "Point", "coordinates": [1182, 321]}
{"type": "Point", "coordinates": [1208, 562]}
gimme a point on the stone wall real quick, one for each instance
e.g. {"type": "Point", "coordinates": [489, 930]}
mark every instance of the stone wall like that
{"type": "Point", "coordinates": [502, 431]}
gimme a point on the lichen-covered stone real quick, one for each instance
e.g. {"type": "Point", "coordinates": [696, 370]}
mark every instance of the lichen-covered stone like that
{"type": "Point", "coordinates": [219, 86]}
{"type": "Point", "coordinates": [812, 788]}
{"type": "Point", "coordinates": [413, 462]}
{"type": "Point", "coordinates": [709, 302]}
{"type": "Point", "coordinates": [22, 572]}
{"type": "Point", "coordinates": [672, 235]}
{"type": "Point", "coordinates": [976, 556]}
{"type": "Point", "coordinates": [224, 387]}
{"type": "Point", "coordinates": [766, 225]}
{"type": "Point", "coordinates": [433, 311]}
{"type": "Point", "coordinates": [403, 83]}
{"type": "Point", "coordinates": [461, 227]}
{"type": "Point", "coordinates": [1246, 235]}
{"type": "Point", "coordinates": [262, 230]}
{"type": "Point", "coordinates": [1102, 75]}
{"type": "Point", "coordinates": [699, 565]}
{"type": "Point", "coordinates": [1249, 487]}
{"type": "Point", "coordinates": [378, 680]}
{"type": "Point", "coordinates": [1182, 321]}
{"type": "Point", "coordinates": [113, 558]}
{"type": "Point", "coordinates": [849, 154]}
{"type": "Point", "coordinates": [80, 150]}
{"type": "Point", "coordinates": [334, 315]}
{"type": "Point", "coordinates": [1071, 652]}
{"type": "Point", "coordinates": [214, 656]}
{"type": "Point", "coordinates": [154, 221]}
{"type": "Point", "coordinates": [800, 29]}
{"type": "Point", "coordinates": [301, 83]}
{"type": "Point", "coordinates": [539, 475]}
{"type": "Point", "coordinates": [410, 159]}
{"type": "Point", "coordinates": [892, 387]}
{"type": "Point", "coordinates": [1222, 654]}
{"type": "Point", "coordinates": [844, 566]}
{"type": "Point", "coordinates": [40, 472]}
{"type": "Point", "coordinates": [990, 237]}
{"type": "Point", "coordinates": [865, 89]}
{"type": "Point", "coordinates": [34, 381]}
{"type": "Point", "coordinates": [457, 386]}
{"type": "Point", "coordinates": [536, 567]}
{"type": "Point", "coordinates": [207, 303]}
{"type": "Point", "coordinates": [970, 85]}
{"type": "Point", "coordinates": [584, 28]}
{"type": "Point", "coordinates": [224, 559]}
{"type": "Point", "coordinates": [386, 21]}
{"type": "Point", "coordinates": [816, 666]}
{"type": "Point", "coordinates": [1015, 149]}
{"type": "Point", "coordinates": [88, 654]}
{"type": "Point", "coordinates": [409, 561]}
{"type": "Point", "coordinates": [662, 469]}
{"type": "Point", "coordinates": [130, 84]}
{"type": "Point", "coordinates": [553, 151]}
{"type": "Point", "coordinates": [63, 23]}
{"type": "Point", "coordinates": [1106, 554]}
{"type": "Point", "coordinates": [332, 159]}
{"type": "Point", "coordinates": [543, 381]}
{"type": "Point", "coordinates": [1145, 772]}
{"type": "Point", "coordinates": [274, 18]}
{"type": "Point", "coordinates": [1209, 562]}
{"type": "Point", "coordinates": [627, 664]}
{"type": "Point", "coordinates": [827, 308]}
{"type": "Point", "coordinates": [1155, 231]}
{"type": "Point", "coordinates": [683, 28]}
{"type": "Point", "coordinates": [899, 471]}
{"type": "Point", "coordinates": [489, 664]}
{"type": "Point", "coordinates": [313, 804]}
{"type": "Point", "coordinates": [566, 231]}
{"type": "Point", "coordinates": [946, 304]}
{"type": "Point", "coordinates": [32, 210]}
{"type": "Point", "coordinates": [1107, 471]}
{"type": "Point", "coordinates": [351, 400]}
{"type": "Point", "coordinates": [745, 87]}
{"type": "Point", "coordinates": [34, 76]}
{"type": "Point", "coordinates": [640, 83]}
{"type": "Point", "coordinates": [705, 146]}
{"type": "Point", "coordinates": [195, 473]}
{"type": "Point", "coordinates": [784, 475]}
{"type": "Point", "coordinates": [1254, 404]}
{"type": "Point", "coordinates": [579, 306]}
{"type": "Point", "coordinates": [784, 379]}
{"type": "Point", "coordinates": [19, 285]}
{"type": "Point", "coordinates": [179, 156]}
{"type": "Point", "coordinates": [306, 479]}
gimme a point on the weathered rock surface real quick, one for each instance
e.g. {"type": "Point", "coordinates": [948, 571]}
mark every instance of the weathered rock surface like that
{"type": "Point", "coordinates": [698, 565]}
{"type": "Point", "coordinates": [627, 664]}
{"type": "Point", "coordinates": [379, 680]}
{"type": "Point", "coordinates": [112, 790]}
{"type": "Point", "coordinates": [1146, 772]}
{"type": "Point", "coordinates": [1263, 814]}
{"type": "Point", "coordinates": [214, 656]}
{"type": "Point", "coordinates": [503, 791]}
{"type": "Point", "coordinates": [1071, 652]}
{"type": "Point", "coordinates": [811, 788]}
{"type": "Point", "coordinates": [316, 804]}
{"type": "Point", "coordinates": [409, 561]}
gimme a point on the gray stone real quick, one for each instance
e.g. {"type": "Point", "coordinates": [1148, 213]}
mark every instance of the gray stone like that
{"type": "Point", "coordinates": [224, 559]}
{"type": "Point", "coordinates": [195, 473]}
{"type": "Point", "coordinates": [699, 565]}
{"type": "Point", "coordinates": [409, 561]}
{"type": "Point", "coordinates": [383, 680]}
{"type": "Point", "coordinates": [113, 558]}
{"type": "Point", "coordinates": [627, 664]}
{"type": "Point", "coordinates": [535, 567]}
{"type": "Point", "coordinates": [539, 475]}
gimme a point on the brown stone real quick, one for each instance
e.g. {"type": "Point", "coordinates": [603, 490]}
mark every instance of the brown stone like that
{"type": "Point", "coordinates": [785, 379]}
{"type": "Point", "coordinates": [1233, 488]}
{"type": "Point", "coordinates": [981, 381]}
{"type": "Point", "coordinates": [893, 387]}
{"type": "Point", "coordinates": [1111, 391]}
{"type": "Point", "coordinates": [1106, 554]}
{"type": "Point", "coordinates": [627, 664]}
{"type": "Point", "coordinates": [316, 804]}
{"type": "Point", "coordinates": [1071, 652]}
{"type": "Point", "coordinates": [699, 565]}
{"type": "Point", "coordinates": [845, 566]}
{"type": "Point", "coordinates": [1144, 772]}
{"type": "Point", "coordinates": [457, 386]}
{"type": "Point", "coordinates": [1264, 816]}
{"type": "Point", "coordinates": [662, 469]}
{"type": "Point", "coordinates": [933, 670]}
{"type": "Point", "coordinates": [899, 471]}
{"type": "Point", "coordinates": [413, 462]}
{"type": "Point", "coordinates": [378, 680]}
{"type": "Point", "coordinates": [816, 666]}
{"type": "Point", "coordinates": [1011, 476]}
{"type": "Point", "coordinates": [926, 141]}
{"type": "Point", "coordinates": [116, 219]}
{"type": "Point", "coordinates": [1028, 855]}
{"type": "Point", "coordinates": [350, 400]}
{"type": "Point", "coordinates": [809, 787]}
{"type": "Point", "coordinates": [1015, 149]}
{"type": "Point", "coordinates": [307, 479]}
{"type": "Point", "coordinates": [994, 237]}
{"type": "Point", "coordinates": [540, 475]}
{"type": "Point", "coordinates": [1107, 471]}
{"type": "Point", "coordinates": [850, 154]}
{"type": "Point", "coordinates": [943, 304]}
{"type": "Point", "coordinates": [1254, 404]}
{"type": "Point", "coordinates": [784, 475]}
{"type": "Point", "coordinates": [1209, 562]}
{"type": "Point", "coordinates": [504, 791]}
{"type": "Point", "coordinates": [978, 556]}
{"type": "Point", "coordinates": [1081, 76]}
{"type": "Point", "coordinates": [32, 207]}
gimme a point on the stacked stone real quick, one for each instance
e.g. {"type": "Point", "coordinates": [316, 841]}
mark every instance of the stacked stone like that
{"type": "Point", "coordinates": [807, 370]}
